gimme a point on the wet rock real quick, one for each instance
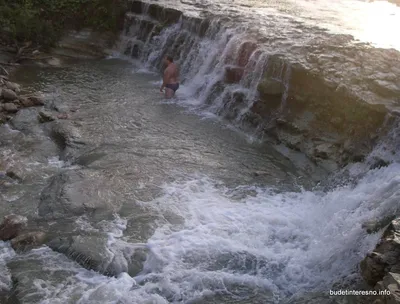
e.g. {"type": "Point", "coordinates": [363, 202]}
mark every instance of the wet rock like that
{"type": "Point", "coordinates": [29, 271]}
{"type": "Point", "coordinates": [28, 241]}
{"type": "Point", "coordinates": [391, 284]}
{"type": "Point", "coordinates": [84, 44]}
{"type": "Point", "coordinates": [59, 107]}
{"type": "Point", "coordinates": [324, 151]}
{"type": "Point", "coordinates": [163, 14]}
{"type": "Point", "coordinates": [16, 173]}
{"type": "Point", "coordinates": [25, 120]}
{"type": "Point", "coordinates": [3, 118]}
{"type": "Point", "coordinates": [233, 74]}
{"type": "Point", "coordinates": [73, 193]}
{"type": "Point", "coordinates": [271, 88]}
{"type": "Point", "coordinates": [385, 258]}
{"type": "Point", "coordinates": [10, 107]}
{"type": "Point", "coordinates": [36, 99]}
{"type": "Point", "coordinates": [89, 251]}
{"type": "Point", "coordinates": [246, 50]}
{"type": "Point", "coordinates": [26, 102]}
{"type": "Point", "coordinates": [9, 95]}
{"type": "Point", "coordinates": [385, 88]}
{"type": "Point", "coordinates": [63, 116]}
{"type": "Point", "coordinates": [96, 253]}
{"type": "Point", "coordinates": [45, 116]}
{"type": "Point", "coordinates": [13, 86]}
{"type": "Point", "coordinates": [374, 226]}
{"type": "Point", "coordinates": [379, 163]}
{"type": "Point", "coordinates": [67, 138]}
{"type": "Point", "coordinates": [12, 226]}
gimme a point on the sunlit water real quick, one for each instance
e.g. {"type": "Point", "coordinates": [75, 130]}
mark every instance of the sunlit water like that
{"type": "Point", "coordinates": [372, 22]}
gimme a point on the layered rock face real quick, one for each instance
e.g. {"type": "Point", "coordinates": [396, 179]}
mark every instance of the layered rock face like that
{"type": "Point", "coordinates": [325, 96]}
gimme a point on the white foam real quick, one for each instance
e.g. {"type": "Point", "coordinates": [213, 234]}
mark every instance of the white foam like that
{"type": "Point", "coordinates": [6, 254]}
{"type": "Point", "coordinates": [258, 239]}
{"type": "Point", "coordinates": [56, 162]}
{"type": "Point", "coordinates": [301, 240]}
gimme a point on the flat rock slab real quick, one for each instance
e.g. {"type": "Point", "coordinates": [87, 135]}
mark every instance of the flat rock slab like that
{"type": "Point", "coordinates": [73, 193]}
{"type": "Point", "coordinates": [96, 252]}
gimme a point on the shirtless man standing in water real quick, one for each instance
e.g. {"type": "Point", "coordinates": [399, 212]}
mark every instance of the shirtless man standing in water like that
{"type": "Point", "coordinates": [171, 78]}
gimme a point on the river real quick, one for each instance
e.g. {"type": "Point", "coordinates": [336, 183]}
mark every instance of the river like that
{"type": "Point", "coordinates": [181, 205]}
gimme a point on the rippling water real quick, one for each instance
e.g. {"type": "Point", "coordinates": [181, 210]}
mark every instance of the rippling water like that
{"type": "Point", "coordinates": [223, 217]}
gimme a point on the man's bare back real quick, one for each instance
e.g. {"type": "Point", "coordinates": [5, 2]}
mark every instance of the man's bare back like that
{"type": "Point", "coordinates": [171, 78]}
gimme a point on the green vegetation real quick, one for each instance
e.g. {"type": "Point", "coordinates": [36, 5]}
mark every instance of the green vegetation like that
{"type": "Point", "coordinates": [42, 22]}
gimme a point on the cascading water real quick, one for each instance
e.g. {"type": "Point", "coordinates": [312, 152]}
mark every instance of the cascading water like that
{"type": "Point", "coordinates": [221, 67]}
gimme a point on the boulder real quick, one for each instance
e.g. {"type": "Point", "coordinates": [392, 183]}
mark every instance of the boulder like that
{"type": "Point", "coordinates": [59, 107]}
{"type": "Point", "coordinates": [28, 241]}
{"type": "Point", "coordinates": [45, 116]}
{"type": "Point", "coordinates": [10, 107]}
{"type": "Point", "coordinates": [74, 193]}
{"type": "Point", "coordinates": [25, 120]}
{"type": "Point", "coordinates": [373, 226]}
{"type": "Point", "coordinates": [26, 102]}
{"type": "Point", "coordinates": [67, 138]}
{"type": "Point", "coordinates": [16, 172]}
{"type": "Point", "coordinates": [391, 285]}
{"type": "Point", "coordinates": [40, 268]}
{"type": "Point", "coordinates": [12, 226]}
{"type": "Point", "coordinates": [13, 86]}
{"type": "Point", "coordinates": [9, 95]}
{"type": "Point", "coordinates": [95, 252]}
{"type": "Point", "coordinates": [324, 151]}
{"type": "Point", "coordinates": [36, 99]}
{"type": "Point", "coordinates": [385, 258]}
{"type": "Point", "coordinates": [3, 117]}
{"type": "Point", "coordinates": [270, 88]}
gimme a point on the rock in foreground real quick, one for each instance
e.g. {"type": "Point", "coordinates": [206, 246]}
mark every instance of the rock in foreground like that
{"type": "Point", "coordinates": [381, 268]}
{"type": "Point", "coordinates": [74, 193]}
{"type": "Point", "coordinates": [27, 241]}
{"type": "Point", "coordinates": [96, 253]}
{"type": "Point", "coordinates": [12, 226]}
